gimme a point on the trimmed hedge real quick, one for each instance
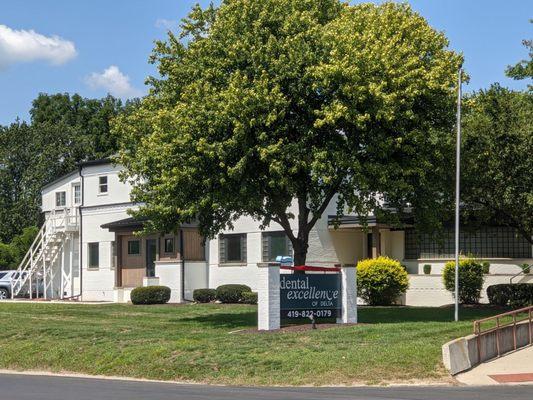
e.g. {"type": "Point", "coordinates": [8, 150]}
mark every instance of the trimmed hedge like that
{"type": "Point", "coordinates": [150, 295]}
{"type": "Point", "coordinates": [381, 280]}
{"type": "Point", "coordinates": [204, 295]}
{"type": "Point", "coordinates": [515, 295]}
{"type": "Point", "coordinates": [249, 297]}
{"type": "Point", "coordinates": [471, 279]}
{"type": "Point", "coordinates": [231, 293]}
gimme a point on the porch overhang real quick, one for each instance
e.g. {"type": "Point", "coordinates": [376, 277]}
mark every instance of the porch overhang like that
{"type": "Point", "coordinates": [135, 224]}
{"type": "Point", "coordinates": [356, 221]}
{"type": "Point", "coordinates": [126, 224]}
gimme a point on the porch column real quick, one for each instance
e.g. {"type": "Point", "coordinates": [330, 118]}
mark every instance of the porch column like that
{"type": "Point", "coordinates": [268, 299]}
{"type": "Point", "coordinates": [376, 242]}
{"type": "Point", "coordinates": [348, 294]}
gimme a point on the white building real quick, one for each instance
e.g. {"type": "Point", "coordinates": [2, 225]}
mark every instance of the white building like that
{"type": "Point", "coordinates": [87, 225]}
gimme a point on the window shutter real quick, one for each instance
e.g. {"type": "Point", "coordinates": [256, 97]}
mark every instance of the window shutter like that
{"type": "Point", "coordinates": [243, 247]}
{"type": "Point", "coordinates": [266, 245]}
{"type": "Point", "coordinates": [221, 249]}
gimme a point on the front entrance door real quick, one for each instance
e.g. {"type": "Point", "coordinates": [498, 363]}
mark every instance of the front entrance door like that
{"type": "Point", "coordinates": [151, 251]}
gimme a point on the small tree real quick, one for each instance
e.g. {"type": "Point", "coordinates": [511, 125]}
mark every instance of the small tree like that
{"type": "Point", "coordinates": [381, 280]}
{"type": "Point", "coordinates": [471, 279]}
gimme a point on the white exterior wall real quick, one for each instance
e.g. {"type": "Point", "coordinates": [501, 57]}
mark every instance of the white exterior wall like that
{"type": "Point", "coordinates": [117, 192]}
{"type": "Point", "coordinates": [99, 284]}
{"type": "Point", "coordinates": [428, 290]}
{"type": "Point", "coordinates": [327, 247]}
{"type": "Point", "coordinates": [63, 185]}
{"type": "Point", "coordinates": [98, 209]}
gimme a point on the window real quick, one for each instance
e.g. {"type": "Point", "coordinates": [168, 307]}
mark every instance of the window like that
{"type": "Point", "coordinates": [102, 184]}
{"type": "Point", "coordinates": [2, 274]}
{"type": "Point", "coordinates": [134, 247]}
{"type": "Point", "coordinates": [232, 248]}
{"type": "Point", "coordinates": [485, 242]}
{"type": "Point", "coordinates": [113, 254]}
{"type": "Point", "coordinates": [61, 199]}
{"type": "Point", "coordinates": [77, 193]}
{"type": "Point", "coordinates": [94, 255]}
{"type": "Point", "coordinates": [276, 244]}
{"type": "Point", "coordinates": [169, 245]}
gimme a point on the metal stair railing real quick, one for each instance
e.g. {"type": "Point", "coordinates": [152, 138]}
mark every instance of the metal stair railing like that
{"type": "Point", "coordinates": [33, 258]}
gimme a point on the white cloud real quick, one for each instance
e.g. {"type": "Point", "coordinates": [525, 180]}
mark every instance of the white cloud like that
{"type": "Point", "coordinates": [168, 24]}
{"type": "Point", "coordinates": [26, 46]}
{"type": "Point", "coordinates": [114, 81]}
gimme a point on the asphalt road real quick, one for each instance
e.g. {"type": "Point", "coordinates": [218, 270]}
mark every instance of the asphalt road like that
{"type": "Point", "coordinates": [26, 387]}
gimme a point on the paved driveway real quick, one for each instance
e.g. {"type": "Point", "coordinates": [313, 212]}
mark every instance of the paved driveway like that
{"type": "Point", "coordinates": [27, 387]}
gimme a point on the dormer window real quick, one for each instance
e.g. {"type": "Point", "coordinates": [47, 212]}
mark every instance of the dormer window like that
{"type": "Point", "coordinates": [102, 185]}
{"type": "Point", "coordinates": [61, 199]}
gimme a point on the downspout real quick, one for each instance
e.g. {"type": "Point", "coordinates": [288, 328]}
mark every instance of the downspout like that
{"type": "Point", "coordinates": [182, 256]}
{"type": "Point", "coordinates": [80, 249]}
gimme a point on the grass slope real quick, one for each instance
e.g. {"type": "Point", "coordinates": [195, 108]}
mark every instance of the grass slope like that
{"type": "Point", "coordinates": [193, 343]}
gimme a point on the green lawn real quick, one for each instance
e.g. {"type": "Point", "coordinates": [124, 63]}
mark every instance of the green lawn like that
{"type": "Point", "coordinates": [195, 343]}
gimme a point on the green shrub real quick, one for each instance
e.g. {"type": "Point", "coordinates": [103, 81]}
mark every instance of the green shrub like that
{"type": "Point", "coordinates": [204, 295]}
{"type": "Point", "coordinates": [515, 295]}
{"type": "Point", "coordinates": [427, 269]}
{"type": "Point", "coordinates": [526, 268]}
{"type": "Point", "coordinates": [381, 280]}
{"type": "Point", "coordinates": [470, 279]}
{"type": "Point", "coordinates": [231, 293]}
{"type": "Point", "coordinates": [486, 267]}
{"type": "Point", "coordinates": [150, 295]}
{"type": "Point", "coordinates": [249, 297]}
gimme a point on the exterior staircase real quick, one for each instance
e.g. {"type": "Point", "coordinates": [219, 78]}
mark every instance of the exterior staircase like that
{"type": "Point", "coordinates": [40, 274]}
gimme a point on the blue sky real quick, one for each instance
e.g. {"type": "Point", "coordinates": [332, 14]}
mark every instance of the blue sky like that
{"type": "Point", "coordinates": [100, 46]}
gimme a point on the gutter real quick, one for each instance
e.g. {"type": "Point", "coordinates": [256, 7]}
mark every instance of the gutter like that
{"type": "Point", "coordinates": [182, 256]}
{"type": "Point", "coordinates": [80, 250]}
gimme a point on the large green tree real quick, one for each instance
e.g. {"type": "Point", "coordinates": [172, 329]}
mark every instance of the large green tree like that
{"type": "Point", "coordinates": [264, 104]}
{"type": "Point", "coordinates": [63, 131]}
{"type": "Point", "coordinates": [524, 68]}
{"type": "Point", "coordinates": [498, 158]}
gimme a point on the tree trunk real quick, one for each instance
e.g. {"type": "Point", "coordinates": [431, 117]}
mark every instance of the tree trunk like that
{"type": "Point", "coordinates": [300, 251]}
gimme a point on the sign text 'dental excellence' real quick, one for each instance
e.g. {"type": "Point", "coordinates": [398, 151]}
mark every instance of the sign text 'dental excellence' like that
{"type": "Point", "coordinates": [312, 294]}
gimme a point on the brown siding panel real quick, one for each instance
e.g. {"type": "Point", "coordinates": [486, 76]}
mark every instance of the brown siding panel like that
{"type": "Point", "coordinates": [193, 246]}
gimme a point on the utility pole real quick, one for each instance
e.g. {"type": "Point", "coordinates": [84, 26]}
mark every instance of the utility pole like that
{"type": "Point", "coordinates": [457, 193]}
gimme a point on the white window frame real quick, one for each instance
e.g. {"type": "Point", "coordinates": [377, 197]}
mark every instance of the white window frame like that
{"type": "Point", "coordinates": [100, 185]}
{"type": "Point", "coordinates": [62, 196]}
{"type": "Point", "coordinates": [75, 201]}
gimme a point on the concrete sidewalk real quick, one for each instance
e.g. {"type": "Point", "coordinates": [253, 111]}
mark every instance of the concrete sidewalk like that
{"type": "Point", "coordinates": [513, 368]}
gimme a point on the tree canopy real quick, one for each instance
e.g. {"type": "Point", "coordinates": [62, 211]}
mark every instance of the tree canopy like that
{"type": "Point", "coordinates": [266, 104]}
{"type": "Point", "coordinates": [497, 158]}
{"type": "Point", "coordinates": [524, 68]}
{"type": "Point", "coordinates": [63, 131]}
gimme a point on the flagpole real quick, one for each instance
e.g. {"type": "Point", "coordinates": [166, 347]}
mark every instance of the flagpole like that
{"type": "Point", "coordinates": [457, 194]}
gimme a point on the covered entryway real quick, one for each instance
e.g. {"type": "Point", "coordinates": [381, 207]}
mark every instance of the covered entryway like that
{"type": "Point", "coordinates": [137, 256]}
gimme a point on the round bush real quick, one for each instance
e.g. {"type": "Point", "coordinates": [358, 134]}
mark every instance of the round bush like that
{"type": "Point", "coordinates": [150, 295]}
{"type": "Point", "coordinates": [381, 280]}
{"type": "Point", "coordinates": [204, 295]}
{"type": "Point", "coordinates": [486, 267]}
{"type": "Point", "coordinates": [249, 297]}
{"type": "Point", "coordinates": [231, 293]}
{"type": "Point", "coordinates": [470, 279]}
{"type": "Point", "coordinates": [516, 295]}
